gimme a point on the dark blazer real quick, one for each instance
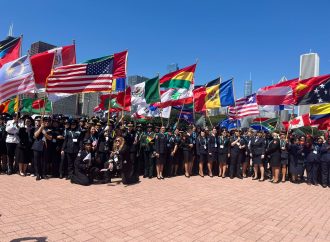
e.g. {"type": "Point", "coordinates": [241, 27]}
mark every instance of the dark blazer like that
{"type": "Point", "coordinates": [161, 143]}
{"type": "Point", "coordinates": [213, 144]}
{"type": "Point", "coordinates": [258, 146]}
{"type": "Point", "coordinates": [201, 144]}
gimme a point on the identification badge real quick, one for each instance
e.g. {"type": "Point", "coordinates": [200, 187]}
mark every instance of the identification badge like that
{"type": "Point", "coordinates": [215, 145]}
{"type": "Point", "coordinates": [315, 152]}
{"type": "Point", "coordinates": [204, 147]}
{"type": "Point", "coordinates": [75, 140]}
{"type": "Point", "coordinates": [54, 140]}
{"type": "Point", "coordinates": [106, 138]}
{"type": "Point", "coordinates": [106, 148]}
{"type": "Point", "coordinates": [303, 154]}
{"type": "Point", "coordinates": [115, 159]}
{"type": "Point", "coordinates": [221, 146]}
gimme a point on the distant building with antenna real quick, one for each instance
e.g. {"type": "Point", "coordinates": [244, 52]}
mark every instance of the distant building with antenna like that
{"type": "Point", "coordinates": [172, 67]}
{"type": "Point", "coordinates": [247, 88]}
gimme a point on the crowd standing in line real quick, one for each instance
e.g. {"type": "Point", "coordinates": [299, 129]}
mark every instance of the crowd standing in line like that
{"type": "Point", "coordinates": [95, 150]}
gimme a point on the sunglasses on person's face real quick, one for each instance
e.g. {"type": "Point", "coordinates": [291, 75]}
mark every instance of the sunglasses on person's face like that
{"type": "Point", "coordinates": [117, 140]}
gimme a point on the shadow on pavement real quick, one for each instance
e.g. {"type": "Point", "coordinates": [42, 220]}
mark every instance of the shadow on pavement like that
{"type": "Point", "coordinates": [37, 239]}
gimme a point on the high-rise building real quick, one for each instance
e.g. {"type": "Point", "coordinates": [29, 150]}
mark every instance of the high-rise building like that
{"type": "Point", "coordinates": [309, 67]}
{"type": "Point", "coordinates": [172, 67]}
{"type": "Point", "coordinates": [133, 80]}
{"type": "Point", "coordinates": [39, 47]}
{"type": "Point", "coordinates": [247, 88]}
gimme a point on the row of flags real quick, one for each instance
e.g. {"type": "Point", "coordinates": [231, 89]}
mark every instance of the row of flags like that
{"type": "Point", "coordinates": [56, 72]}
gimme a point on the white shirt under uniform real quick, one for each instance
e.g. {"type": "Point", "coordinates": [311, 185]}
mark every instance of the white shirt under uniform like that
{"type": "Point", "coordinates": [12, 131]}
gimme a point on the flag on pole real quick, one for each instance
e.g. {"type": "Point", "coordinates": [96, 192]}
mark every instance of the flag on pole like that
{"type": "Point", "coordinates": [43, 63]}
{"type": "Point", "coordinates": [176, 97]}
{"type": "Point", "coordinates": [35, 106]}
{"type": "Point", "coordinates": [216, 96]}
{"type": "Point", "coordinates": [188, 116]}
{"type": "Point", "coordinates": [246, 106]}
{"type": "Point", "coordinates": [150, 110]}
{"type": "Point", "coordinates": [9, 106]}
{"type": "Point", "coordinates": [9, 49]}
{"type": "Point", "coordinates": [313, 90]}
{"type": "Point", "coordinates": [93, 76]}
{"type": "Point", "coordinates": [146, 92]}
{"type": "Point", "coordinates": [230, 124]}
{"type": "Point", "coordinates": [298, 122]}
{"type": "Point", "coordinates": [16, 77]}
{"type": "Point", "coordinates": [320, 115]}
{"type": "Point", "coordinates": [278, 94]}
{"type": "Point", "coordinates": [264, 124]}
{"type": "Point", "coordinates": [182, 78]}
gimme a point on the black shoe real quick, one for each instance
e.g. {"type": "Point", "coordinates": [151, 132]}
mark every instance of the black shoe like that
{"type": "Point", "coordinates": [239, 177]}
{"type": "Point", "coordinates": [144, 176]}
{"type": "Point", "coordinates": [255, 178]}
{"type": "Point", "coordinates": [324, 186]}
{"type": "Point", "coordinates": [201, 175]}
{"type": "Point", "coordinates": [309, 183]}
{"type": "Point", "coordinates": [162, 178]}
{"type": "Point", "coordinates": [9, 172]}
{"type": "Point", "coordinates": [150, 177]}
{"type": "Point", "coordinates": [38, 178]}
{"type": "Point", "coordinates": [262, 180]}
{"type": "Point", "coordinates": [61, 176]}
{"type": "Point", "coordinates": [68, 178]}
{"type": "Point", "coordinates": [231, 177]}
{"type": "Point", "coordinates": [186, 176]}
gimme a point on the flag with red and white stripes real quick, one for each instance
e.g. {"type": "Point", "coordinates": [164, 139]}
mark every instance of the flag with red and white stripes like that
{"type": "Point", "coordinates": [93, 76]}
{"type": "Point", "coordinates": [16, 77]}
{"type": "Point", "coordinates": [244, 107]}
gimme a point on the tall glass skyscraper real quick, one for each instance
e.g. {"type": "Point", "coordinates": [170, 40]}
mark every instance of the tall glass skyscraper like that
{"type": "Point", "coordinates": [247, 88]}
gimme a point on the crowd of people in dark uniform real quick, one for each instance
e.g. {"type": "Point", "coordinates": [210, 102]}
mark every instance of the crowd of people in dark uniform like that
{"type": "Point", "coordinates": [85, 151]}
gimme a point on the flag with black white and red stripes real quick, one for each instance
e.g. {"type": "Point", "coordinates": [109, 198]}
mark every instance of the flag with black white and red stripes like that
{"type": "Point", "coordinates": [93, 76]}
{"type": "Point", "coordinates": [244, 107]}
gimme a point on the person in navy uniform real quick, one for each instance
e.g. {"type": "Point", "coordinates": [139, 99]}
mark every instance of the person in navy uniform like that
{"type": "Point", "coordinates": [187, 147]}
{"type": "Point", "coordinates": [131, 141]}
{"type": "Point", "coordinates": [304, 148]}
{"type": "Point", "coordinates": [85, 171]}
{"type": "Point", "coordinates": [213, 151]}
{"type": "Point", "coordinates": [223, 152]}
{"type": "Point", "coordinates": [284, 144]}
{"type": "Point", "coordinates": [147, 144]}
{"type": "Point", "coordinates": [72, 143]}
{"type": "Point", "coordinates": [64, 161]}
{"type": "Point", "coordinates": [202, 151]}
{"type": "Point", "coordinates": [194, 162]}
{"type": "Point", "coordinates": [258, 147]}
{"type": "Point", "coordinates": [237, 144]}
{"type": "Point", "coordinates": [273, 151]}
{"type": "Point", "coordinates": [161, 142]}
{"type": "Point", "coordinates": [325, 163]}
{"type": "Point", "coordinates": [3, 149]}
{"type": "Point", "coordinates": [313, 162]}
{"type": "Point", "coordinates": [175, 151]}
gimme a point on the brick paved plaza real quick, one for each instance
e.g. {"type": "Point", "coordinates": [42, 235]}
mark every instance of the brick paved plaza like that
{"type": "Point", "coordinates": [176, 209]}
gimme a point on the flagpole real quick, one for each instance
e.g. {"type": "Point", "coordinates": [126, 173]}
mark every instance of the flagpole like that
{"type": "Point", "coordinates": [235, 101]}
{"type": "Point", "coordinates": [292, 115]}
{"type": "Point", "coordinates": [44, 97]}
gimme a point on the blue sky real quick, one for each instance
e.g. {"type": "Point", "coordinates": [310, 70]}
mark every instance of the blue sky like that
{"type": "Point", "coordinates": [229, 38]}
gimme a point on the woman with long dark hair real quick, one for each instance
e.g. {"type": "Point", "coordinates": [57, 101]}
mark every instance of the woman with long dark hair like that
{"type": "Point", "coordinates": [202, 153]}
{"type": "Point", "coordinates": [223, 153]}
{"type": "Point", "coordinates": [24, 153]}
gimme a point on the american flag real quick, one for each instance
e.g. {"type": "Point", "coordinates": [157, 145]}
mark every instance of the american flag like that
{"type": "Point", "coordinates": [246, 106]}
{"type": "Point", "coordinates": [94, 76]}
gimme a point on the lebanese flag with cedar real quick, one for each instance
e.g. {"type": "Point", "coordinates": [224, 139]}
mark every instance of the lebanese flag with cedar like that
{"type": "Point", "coordinates": [43, 63]}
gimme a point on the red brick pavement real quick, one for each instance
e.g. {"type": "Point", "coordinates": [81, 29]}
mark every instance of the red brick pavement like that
{"type": "Point", "coordinates": [176, 209]}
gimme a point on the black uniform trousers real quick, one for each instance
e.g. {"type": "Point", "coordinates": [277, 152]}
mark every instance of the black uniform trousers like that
{"type": "Point", "coordinates": [235, 163]}
{"type": "Point", "coordinates": [71, 157]}
{"type": "Point", "coordinates": [39, 163]}
{"type": "Point", "coordinates": [312, 169]}
{"type": "Point", "coordinates": [11, 150]}
{"type": "Point", "coordinates": [148, 164]}
{"type": "Point", "coordinates": [325, 173]}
